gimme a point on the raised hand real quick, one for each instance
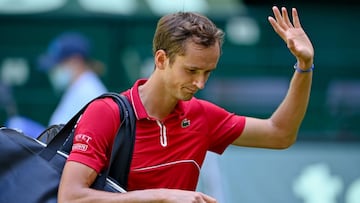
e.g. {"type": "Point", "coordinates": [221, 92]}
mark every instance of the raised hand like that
{"type": "Point", "coordinates": [294, 36]}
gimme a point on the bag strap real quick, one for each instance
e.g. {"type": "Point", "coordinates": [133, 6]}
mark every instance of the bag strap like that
{"type": "Point", "coordinates": [123, 146]}
{"type": "Point", "coordinates": [122, 150]}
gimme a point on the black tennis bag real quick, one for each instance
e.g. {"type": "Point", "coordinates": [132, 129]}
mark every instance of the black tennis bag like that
{"type": "Point", "coordinates": [30, 169]}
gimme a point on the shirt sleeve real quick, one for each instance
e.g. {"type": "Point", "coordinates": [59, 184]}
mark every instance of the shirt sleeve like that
{"type": "Point", "coordinates": [224, 127]}
{"type": "Point", "coordinates": [95, 133]}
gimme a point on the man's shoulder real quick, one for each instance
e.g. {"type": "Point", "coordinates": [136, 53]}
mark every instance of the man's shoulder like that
{"type": "Point", "coordinates": [105, 105]}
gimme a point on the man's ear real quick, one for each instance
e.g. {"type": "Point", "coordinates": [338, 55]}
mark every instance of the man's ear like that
{"type": "Point", "coordinates": [161, 59]}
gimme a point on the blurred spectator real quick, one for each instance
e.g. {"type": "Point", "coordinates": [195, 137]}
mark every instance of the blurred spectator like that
{"type": "Point", "coordinates": [13, 119]}
{"type": "Point", "coordinates": [7, 102]}
{"type": "Point", "coordinates": [72, 72]}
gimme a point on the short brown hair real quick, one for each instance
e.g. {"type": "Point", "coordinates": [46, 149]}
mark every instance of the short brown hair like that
{"type": "Point", "coordinates": [173, 30]}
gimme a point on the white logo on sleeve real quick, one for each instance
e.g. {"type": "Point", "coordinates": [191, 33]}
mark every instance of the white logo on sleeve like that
{"type": "Point", "coordinates": [82, 138]}
{"type": "Point", "coordinates": [82, 142]}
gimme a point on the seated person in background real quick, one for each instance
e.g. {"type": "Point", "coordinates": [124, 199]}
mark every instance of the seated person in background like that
{"type": "Point", "coordinates": [13, 119]}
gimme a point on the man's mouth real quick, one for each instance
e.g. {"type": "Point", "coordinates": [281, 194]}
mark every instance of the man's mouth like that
{"type": "Point", "coordinates": [190, 90]}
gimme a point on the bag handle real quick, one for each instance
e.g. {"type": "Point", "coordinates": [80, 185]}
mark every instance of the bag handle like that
{"type": "Point", "coordinates": [57, 142]}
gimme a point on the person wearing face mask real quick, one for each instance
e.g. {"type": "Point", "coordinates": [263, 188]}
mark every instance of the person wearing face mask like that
{"type": "Point", "coordinates": [72, 73]}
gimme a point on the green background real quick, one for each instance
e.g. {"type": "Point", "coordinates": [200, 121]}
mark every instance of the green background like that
{"type": "Point", "coordinates": [333, 29]}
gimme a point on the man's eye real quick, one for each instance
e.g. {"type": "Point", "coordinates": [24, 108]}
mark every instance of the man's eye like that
{"type": "Point", "coordinates": [191, 71]}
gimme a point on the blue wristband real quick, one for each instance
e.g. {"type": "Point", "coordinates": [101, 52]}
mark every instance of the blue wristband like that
{"type": "Point", "coordinates": [296, 67]}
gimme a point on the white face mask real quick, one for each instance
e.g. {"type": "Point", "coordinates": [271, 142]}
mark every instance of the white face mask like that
{"type": "Point", "coordinates": [60, 77]}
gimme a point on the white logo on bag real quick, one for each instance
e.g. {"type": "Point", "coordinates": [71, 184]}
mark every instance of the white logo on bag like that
{"type": "Point", "coordinates": [82, 138]}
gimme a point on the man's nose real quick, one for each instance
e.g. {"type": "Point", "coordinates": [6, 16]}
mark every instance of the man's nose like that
{"type": "Point", "coordinates": [200, 83]}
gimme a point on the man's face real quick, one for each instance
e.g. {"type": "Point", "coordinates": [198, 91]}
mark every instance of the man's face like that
{"type": "Point", "coordinates": [189, 72]}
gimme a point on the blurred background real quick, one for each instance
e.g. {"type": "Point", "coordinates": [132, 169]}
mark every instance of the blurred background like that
{"type": "Point", "coordinates": [251, 79]}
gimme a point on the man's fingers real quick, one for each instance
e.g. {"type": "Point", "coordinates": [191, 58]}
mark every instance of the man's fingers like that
{"type": "Point", "coordinates": [296, 19]}
{"type": "Point", "coordinates": [277, 14]}
{"type": "Point", "coordinates": [286, 18]}
{"type": "Point", "coordinates": [277, 28]}
{"type": "Point", "coordinates": [209, 199]}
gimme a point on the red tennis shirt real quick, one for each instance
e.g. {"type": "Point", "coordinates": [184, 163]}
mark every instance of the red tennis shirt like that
{"type": "Point", "coordinates": [168, 153]}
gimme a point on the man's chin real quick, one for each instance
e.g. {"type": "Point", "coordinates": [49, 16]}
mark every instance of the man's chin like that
{"type": "Point", "coordinates": [187, 97]}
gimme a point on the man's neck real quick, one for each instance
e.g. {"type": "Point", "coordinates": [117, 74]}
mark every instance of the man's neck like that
{"type": "Point", "coordinates": [156, 101]}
